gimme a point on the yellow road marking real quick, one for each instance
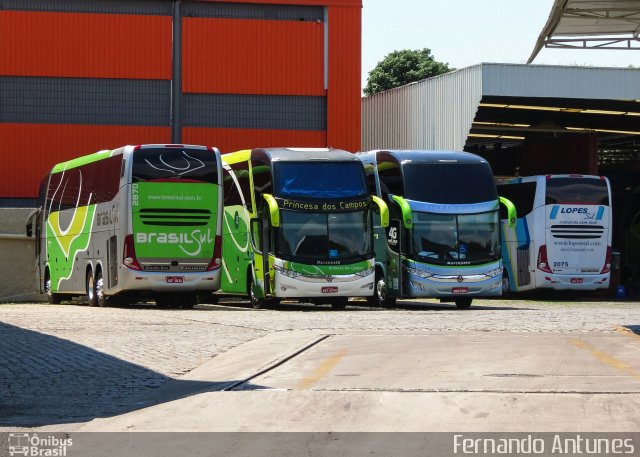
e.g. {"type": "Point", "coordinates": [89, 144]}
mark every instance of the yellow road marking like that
{"type": "Point", "coordinates": [606, 358]}
{"type": "Point", "coordinates": [322, 370]}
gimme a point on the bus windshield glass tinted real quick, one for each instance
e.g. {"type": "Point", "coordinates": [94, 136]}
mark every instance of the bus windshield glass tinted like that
{"type": "Point", "coordinates": [449, 183]}
{"type": "Point", "coordinates": [319, 180]}
{"type": "Point", "coordinates": [454, 239]}
{"type": "Point", "coordinates": [174, 164]}
{"type": "Point", "coordinates": [324, 237]}
{"type": "Point", "coordinates": [575, 190]}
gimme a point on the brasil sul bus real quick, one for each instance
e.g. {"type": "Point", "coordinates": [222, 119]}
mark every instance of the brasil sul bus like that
{"type": "Point", "coordinates": [297, 224]}
{"type": "Point", "coordinates": [131, 223]}
{"type": "Point", "coordinates": [561, 238]}
{"type": "Point", "coordinates": [443, 237]}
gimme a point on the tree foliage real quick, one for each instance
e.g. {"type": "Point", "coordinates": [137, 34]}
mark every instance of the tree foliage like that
{"type": "Point", "coordinates": [403, 67]}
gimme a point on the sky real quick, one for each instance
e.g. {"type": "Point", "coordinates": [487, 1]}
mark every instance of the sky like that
{"type": "Point", "coordinates": [467, 32]}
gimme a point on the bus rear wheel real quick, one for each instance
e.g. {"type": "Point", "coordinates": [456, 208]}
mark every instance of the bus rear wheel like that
{"type": "Point", "coordinates": [101, 298]}
{"type": "Point", "coordinates": [463, 302]}
{"type": "Point", "coordinates": [91, 289]}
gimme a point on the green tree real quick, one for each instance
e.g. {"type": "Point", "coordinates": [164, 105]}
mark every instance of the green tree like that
{"type": "Point", "coordinates": [403, 67]}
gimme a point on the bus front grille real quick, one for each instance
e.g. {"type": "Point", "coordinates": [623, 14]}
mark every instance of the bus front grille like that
{"type": "Point", "coordinates": [577, 232]}
{"type": "Point", "coordinates": [175, 217]}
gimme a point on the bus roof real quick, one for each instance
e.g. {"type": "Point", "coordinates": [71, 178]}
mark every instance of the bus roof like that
{"type": "Point", "coordinates": [290, 155]}
{"type": "Point", "coordinates": [79, 161]}
{"type": "Point", "coordinates": [430, 156]}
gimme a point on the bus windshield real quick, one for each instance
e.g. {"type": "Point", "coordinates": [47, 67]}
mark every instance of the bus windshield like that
{"type": "Point", "coordinates": [324, 237]}
{"type": "Point", "coordinates": [449, 183]}
{"type": "Point", "coordinates": [319, 179]}
{"type": "Point", "coordinates": [169, 164]}
{"type": "Point", "coordinates": [450, 239]}
{"type": "Point", "coordinates": [577, 190]}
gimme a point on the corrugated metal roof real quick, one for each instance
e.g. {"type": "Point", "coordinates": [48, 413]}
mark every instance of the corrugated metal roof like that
{"type": "Point", "coordinates": [589, 24]}
{"type": "Point", "coordinates": [502, 102]}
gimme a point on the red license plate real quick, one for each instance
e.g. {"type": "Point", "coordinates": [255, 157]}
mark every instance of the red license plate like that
{"type": "Point", "coordinates": [329, 290]}
{"type": "Point", "coordinates": [577, 280]}
{"type": "Point", "coordinates": [460, 290]}
{"type": "Point", "coordinates": [175, 279]}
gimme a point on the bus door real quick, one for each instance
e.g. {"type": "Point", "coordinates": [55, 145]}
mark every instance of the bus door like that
{"type": "Point", "coordinates": [394, 233]}
{"type": "Point", "coordinates": [260, 245]}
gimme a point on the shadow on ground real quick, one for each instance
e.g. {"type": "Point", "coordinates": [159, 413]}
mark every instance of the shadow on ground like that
{"type": "Point", "coordinates": [48, 380]}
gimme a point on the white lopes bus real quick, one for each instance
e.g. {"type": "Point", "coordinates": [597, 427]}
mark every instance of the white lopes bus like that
{"type": "Point", "coordinates": [561, 238]}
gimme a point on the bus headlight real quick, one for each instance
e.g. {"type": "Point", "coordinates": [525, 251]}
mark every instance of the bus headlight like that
{"type": "Point", "coordinates": [365, 273]}
{"type": "Point", "coordinates": [285, 272]}
{"type": "Point", "coordinates": [419, 273]}
{"type": "Point", "coordinates": [494, 273]}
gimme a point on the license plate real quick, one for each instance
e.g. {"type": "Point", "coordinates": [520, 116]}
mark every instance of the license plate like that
{"type": "Point", "coordinates": [175, 279]}
{"type": "Point", "coordinates": [329, 290]}
{"type": "Point", "coordinates": [577, 280]}
{"type": "Point", "coordinates": [460, 290]}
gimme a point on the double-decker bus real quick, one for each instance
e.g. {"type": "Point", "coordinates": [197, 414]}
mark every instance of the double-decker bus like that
{"type": "Point", "coordinates": [297, 224]}
{"type": "Point", "coordinates": [562, 236]}
{"type": "Point", "coordinates": [443, 238]}
{"type": "Point", "coordinates": [131, 223]}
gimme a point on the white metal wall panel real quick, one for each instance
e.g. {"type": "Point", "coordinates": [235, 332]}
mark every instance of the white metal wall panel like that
{"type": "Point", "coordinates": [436, 113]}
{"type": "Point", "coordinates": [561, 82]}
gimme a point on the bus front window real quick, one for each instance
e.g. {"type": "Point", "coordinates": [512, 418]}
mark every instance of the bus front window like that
{"type": "Point", "coordinates": [323, 237]}
{"type": "Point", "coordinates": [447, 238]}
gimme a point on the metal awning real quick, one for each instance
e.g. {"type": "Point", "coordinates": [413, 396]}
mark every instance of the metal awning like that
{"type": "Point", "coordinates": [591, 24]}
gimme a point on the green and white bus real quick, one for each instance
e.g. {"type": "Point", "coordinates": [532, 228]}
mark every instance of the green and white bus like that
{"type": "Point", "coordinates": [132, 223]}
{"type": "Point", "coordinates": [443, 239]}
{"type": "Point", "coordinates": [297, 224]}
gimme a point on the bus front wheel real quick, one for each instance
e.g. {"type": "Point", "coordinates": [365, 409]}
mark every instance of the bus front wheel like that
{"type": "Point", "coordinates": [52, 299]}
{"type": "Point", "coordinates": [256, 301]}
{"type": "Point", "coordinates": [380, 298]}
{"type": "Point", "coordinates": [506, 284]}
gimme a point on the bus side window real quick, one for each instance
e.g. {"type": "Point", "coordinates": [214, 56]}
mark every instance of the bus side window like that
{"type": "Point", "coordinates": [522, 195]}
{"type": "Point", "coordinates": [241, 171]}
{"type": "Point", "coordinates": [231, 193]}
{"type": "Point", "coordinates": [390, 178]}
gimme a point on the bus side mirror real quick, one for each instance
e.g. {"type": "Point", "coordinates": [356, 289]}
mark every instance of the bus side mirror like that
{"type": "Point", "coordinates": [512, 215]}
{"type": "Point", "coordinates": [407, 222]}
{"type": "Point", "coordinates": [384, 210]}
{"type": "Point", "coordinates": [256, 234]}
{"type": "Point", "coordinates": [274, 211]}
{"type": "Point", "coordinates": [30, 219]}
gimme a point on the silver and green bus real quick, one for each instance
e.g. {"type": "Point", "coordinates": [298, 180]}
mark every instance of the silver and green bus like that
{"type": "Point", "coordinates": [443, 238]}
{"type": "Point", "coordinates": [297, 225]}
{"type": "Point", "coordinates": [137, 222]}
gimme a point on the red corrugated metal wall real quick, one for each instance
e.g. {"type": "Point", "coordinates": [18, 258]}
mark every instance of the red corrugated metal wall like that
{"type": "Point", "coordinates": [240, 59]}
{"type": "Point", "coordinates": [343, 101]}
{"type": "Point", "coordinates": [85, 45]}
{"type": "Point", "coordinates": [278, 62]}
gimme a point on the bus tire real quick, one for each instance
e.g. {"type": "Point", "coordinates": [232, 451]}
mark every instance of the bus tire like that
{"type": "Point", "coordinates": [91, 289]}
{"type": "Point", "coordinates": [463, 302]}
{"type": "Point", "coordinates": [256, 302]}
{"type": "Point", "coordinates": [380, 298]}
{"type": "Point", "coordinates": [52, 299]}
{"type": "Point", "coordinates": [101, 298]}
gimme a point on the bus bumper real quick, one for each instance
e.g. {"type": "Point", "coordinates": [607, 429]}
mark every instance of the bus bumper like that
{"type": "Point", "coordinates": [310, 287]}
{"type": "Point", "coordinates": [144, 281]}
{"type": "Point", "coordinates": [416, 287]}
{"type": "Point", "coordinates": [569, 282]}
